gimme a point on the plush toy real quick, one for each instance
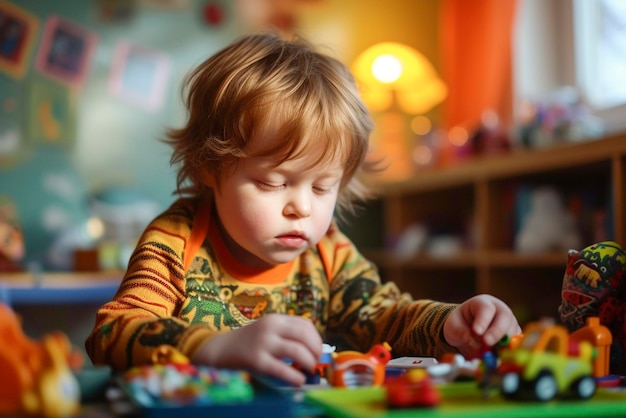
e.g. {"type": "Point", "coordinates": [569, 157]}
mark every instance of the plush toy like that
{"type": "Point", "coordinates": [36, 376]}
{"type": "Point", "coordinates": [548, 225]}
{"type": "Point", "coordinates": [593, 285]}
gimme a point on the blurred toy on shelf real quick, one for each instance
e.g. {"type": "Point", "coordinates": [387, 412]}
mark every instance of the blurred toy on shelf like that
{"type": "Point", "coordinates": [11, 238]}
{"type": "Point", "coordinates": [37, 376]}
{"type": "Point", "coordinates": [593, 286]}
{"type": "Point", "coordinates": [561, 117]}
{"type": "Point", "coordinates": [547, 225]}
{"type": "Point", "coordinates": [490, 138]}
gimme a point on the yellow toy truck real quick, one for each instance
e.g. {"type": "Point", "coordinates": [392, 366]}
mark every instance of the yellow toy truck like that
{"type": "Point", "coordinates": [546, 363]}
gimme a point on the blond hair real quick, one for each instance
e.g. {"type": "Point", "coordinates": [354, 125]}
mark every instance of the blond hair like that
{"type": "Point", "coordinates": [262, 79]}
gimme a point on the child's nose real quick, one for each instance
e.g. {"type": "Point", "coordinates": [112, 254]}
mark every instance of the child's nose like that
{"type": "Point", "coordinates": [299, 204]}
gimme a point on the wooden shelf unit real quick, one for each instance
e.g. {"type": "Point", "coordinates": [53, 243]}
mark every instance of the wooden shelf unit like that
{"type": "Point", "coordinates": [477, 196]}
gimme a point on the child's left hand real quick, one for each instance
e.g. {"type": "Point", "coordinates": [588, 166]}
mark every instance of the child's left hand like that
{"type": "Point", "coordinates": [479, 322]}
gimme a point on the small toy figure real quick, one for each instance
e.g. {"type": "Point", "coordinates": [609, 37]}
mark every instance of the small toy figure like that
{"type": "Point", "coordinates": [37, 376]}
{"type": "Point", "coordinates": [354, 369]}
{"type": "Point", "coordinates": [593, 286]}
{"type": "Point", "coordinates": [323, 364]}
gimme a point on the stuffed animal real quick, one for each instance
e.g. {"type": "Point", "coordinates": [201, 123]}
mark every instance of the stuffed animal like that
{"type": "Point", "coordinates": [593, 285]}
{"type": "Point", "coordinates": [548, 225]}
{"type": "Point", "coordinates": [36, 376]}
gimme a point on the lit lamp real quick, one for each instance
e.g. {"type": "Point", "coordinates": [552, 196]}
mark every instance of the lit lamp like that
{"type": "Point", "coordinates": [397, 80]}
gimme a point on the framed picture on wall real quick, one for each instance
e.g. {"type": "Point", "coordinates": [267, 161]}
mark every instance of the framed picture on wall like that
{"type": "Point", "coordinates": [65, 51]}
{"type": "Point", "coordinates": [18, 31]}
{"type": "Point", "coordinates": [52, 113]}
{"type": "Point", "coordinates": [139, 75]}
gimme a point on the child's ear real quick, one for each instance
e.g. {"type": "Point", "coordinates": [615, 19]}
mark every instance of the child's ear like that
{"type": "Point", "coordinates": [208, 178]}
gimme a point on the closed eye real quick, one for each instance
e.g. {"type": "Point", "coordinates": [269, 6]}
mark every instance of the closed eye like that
{"type": "Point", "coordinates": [322, 190]}
{"type": "Point", "coordinates": [269, 187]}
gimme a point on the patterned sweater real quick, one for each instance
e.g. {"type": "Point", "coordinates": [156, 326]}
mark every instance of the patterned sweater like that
{"type": "Point", "coordinates": [182, 287]}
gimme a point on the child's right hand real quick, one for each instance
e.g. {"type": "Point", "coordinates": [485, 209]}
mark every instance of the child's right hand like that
{"type": "Point", "coordinates": [263, 345]}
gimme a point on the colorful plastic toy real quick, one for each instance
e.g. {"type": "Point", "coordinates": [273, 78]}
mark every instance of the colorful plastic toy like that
{"type": "Point", "coordinates": [547, 363]}
{"type": "Point", "coordinates": [600, 337]}
{"type": "Point", "coordinates": [167, 354]}
{"type": "Point", "coordinates": [452, 367]}
{"type": "Point", "coordinates": [37, 377]}
{"type": "Point", "coordinates": [186, 384]}
{"type": "Point", "coordinates": [354, 369]}
{"type": "Point", "coordinates": [594, 286]}
{"type": "Point", "coordinates": [323, 364]}
{"type": "Point", "coordinates": [413, 388]}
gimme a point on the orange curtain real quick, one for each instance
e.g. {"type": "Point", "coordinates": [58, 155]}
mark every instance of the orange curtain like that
{"type": "Point", "coordinates": [476, 46]}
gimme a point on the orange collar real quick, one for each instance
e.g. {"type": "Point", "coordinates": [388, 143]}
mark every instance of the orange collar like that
{"type": "Point", "coordinates": [202, 226]}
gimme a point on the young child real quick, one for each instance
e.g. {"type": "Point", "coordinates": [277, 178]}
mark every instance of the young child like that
{"type": "Point", "coordinates": [248, 267]}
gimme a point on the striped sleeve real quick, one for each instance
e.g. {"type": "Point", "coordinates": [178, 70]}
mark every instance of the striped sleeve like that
{"type": "Point", "coordinates": [365, 311]}
{"type": "Point", "coordinates": [142, 314]}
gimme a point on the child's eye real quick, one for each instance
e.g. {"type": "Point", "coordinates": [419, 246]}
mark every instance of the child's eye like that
{"type": "Point", "coordinates": [321, 189]}
{"type": "Point", "coordinates": [268, 186]}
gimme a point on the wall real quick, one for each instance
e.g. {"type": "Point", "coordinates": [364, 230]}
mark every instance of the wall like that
{"type": "Point", "coordinates": [106, 142]}
{"type": "Point", "coordinates": [96, 139]}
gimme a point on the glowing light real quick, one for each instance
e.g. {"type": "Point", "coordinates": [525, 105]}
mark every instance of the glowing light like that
{"type": "Point", "coordinates": [387, 68]}
{"type": "Point", "coordinates": [458, 136]}
{"type": "Point", "coordinates": [422, 155]}
{"type": "Point", "coordinates": [421, 125]}
{"type": "Point", "coordinates": [95, 228]}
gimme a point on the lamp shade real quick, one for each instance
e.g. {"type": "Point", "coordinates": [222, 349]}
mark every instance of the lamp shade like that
{"type": "Point", "coordinates": [390, 69]}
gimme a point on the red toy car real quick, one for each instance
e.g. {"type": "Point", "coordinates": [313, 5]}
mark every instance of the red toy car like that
{"type": "Point", "coordinates": [413, 388]}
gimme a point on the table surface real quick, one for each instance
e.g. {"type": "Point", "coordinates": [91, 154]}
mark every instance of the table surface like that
{"type": "Point", "coordinates": [58, 288]}
{"type": "Point", "coordinates": [460, 399]}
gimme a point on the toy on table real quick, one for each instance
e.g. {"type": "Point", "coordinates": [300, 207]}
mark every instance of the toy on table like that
{"type": "Point", "coordinates": [546, 363]}
{"type": "Point", "coordinates": [167, 354]}
{"type": "Point", "coordinates": [172, 379]}
{"type": "Point", "coordinates": [413, 388]}
{"type": "Point", "coordinates": [323, 364]}
{"type": "Point", "coordinates": [593, 286]}
{"type": "Point", "coordinates": [186, 384]}
{"type": "Point", "coordinates": [355, 369]}
{"type": "Point", "coordinates": [600, 337]}
{"type": "Point", "coordinates": [171, 386]}
{"type": "Point", "coordinates": [453, 367]}
{"type": "Point", "coordinates": [37, 376]}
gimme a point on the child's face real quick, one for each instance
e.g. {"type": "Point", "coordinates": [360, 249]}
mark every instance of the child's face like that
{"type": "Point", "coordinates": [273, 214]}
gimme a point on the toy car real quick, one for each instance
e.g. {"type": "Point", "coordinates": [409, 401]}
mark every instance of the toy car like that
{"type": "Point", "coordinates": [547, 363]}
{"type": "Point", "coordinates": [413, 388]}
{"type": "Point", "coordinates": [355, 369]}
